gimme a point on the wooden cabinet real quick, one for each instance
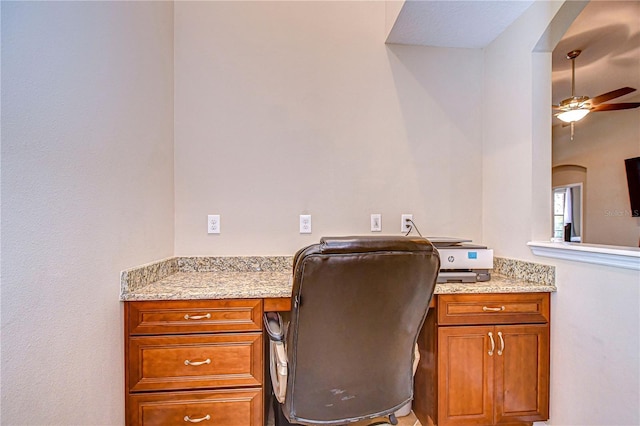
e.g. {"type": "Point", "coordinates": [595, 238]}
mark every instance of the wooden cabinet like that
{"type": "Point", "coordinates": [240, 407]}
{"type": "Point", "coordinates": [194, 361]}
{"type": "Point", "coordinates": [484, 360]}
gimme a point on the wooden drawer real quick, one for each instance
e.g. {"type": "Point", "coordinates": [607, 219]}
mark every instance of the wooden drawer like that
{"type": "Point", "coordinates": [194, 361]}
{"type": "Point", "coordinates": [193, 316]}
{"type": "Point", "coordinates": [229, 408]}
{"type": "Point", "coordinates": [511, 308]}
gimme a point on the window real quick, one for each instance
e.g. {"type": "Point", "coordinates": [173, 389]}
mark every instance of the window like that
{"type": "Point", "coordinates": [558, 213]}
{"type": "Point", "coordinates": [567, 213]}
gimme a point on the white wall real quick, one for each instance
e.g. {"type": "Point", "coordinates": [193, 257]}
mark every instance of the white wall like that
{"type": "Point", "coordinates": [595, 359]}
{"type": "Point", "coordinates": [289, 108]}
{"type": "Point", "coordinates": [595, 325]}
{"type": "Point", "coordinates": [508, 128]}
{"type": "Point", "coordinates": [87, 190]}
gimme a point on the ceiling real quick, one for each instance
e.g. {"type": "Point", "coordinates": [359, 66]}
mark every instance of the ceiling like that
{"type": "Point", "coordinates": [446, 23]}
{"type": "Point", "coordinates": [608, 33]}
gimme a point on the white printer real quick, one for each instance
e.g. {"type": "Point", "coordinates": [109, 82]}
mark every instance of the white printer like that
{"type": "Point", "coordinates": [462, 262]}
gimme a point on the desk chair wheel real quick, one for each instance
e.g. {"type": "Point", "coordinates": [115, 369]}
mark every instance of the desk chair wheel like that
{"type": "Point", "coordinates": [392, 420]}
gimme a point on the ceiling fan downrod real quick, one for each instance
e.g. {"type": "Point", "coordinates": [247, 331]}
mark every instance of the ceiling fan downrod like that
{"type": "Point", "coordinates": [573, 55]}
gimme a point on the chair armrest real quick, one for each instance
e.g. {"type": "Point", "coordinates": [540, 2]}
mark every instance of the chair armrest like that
{"type": "Point", "coordinates": [273, 325]}
{"type": "Point", "coordinates": [278, 362]}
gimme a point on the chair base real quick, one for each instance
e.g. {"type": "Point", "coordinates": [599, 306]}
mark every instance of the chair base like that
{"type": "Point", "coordinates": [278, 416]}
{"type": "Point", "coordinates": [392, 420]}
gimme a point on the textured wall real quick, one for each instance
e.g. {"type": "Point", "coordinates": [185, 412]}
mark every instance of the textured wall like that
{"type": "Point", "coordinates": [87, 190]}
{"type": "Point", "coordinates": [289, 108]}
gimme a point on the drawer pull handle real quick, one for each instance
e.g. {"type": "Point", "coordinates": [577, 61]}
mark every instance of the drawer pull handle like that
{"type": "Point", "coordinates": [493, 344]}
{"type": "Point", "coordinates": [501, 343]}
{"type": "Point", "coordinates": [196, 317]}
{"type": "Point", "coordinates": [197, 363]}
{"type": "Point", "coordinates": [189, 419]}
{"type": "Point", "coordinates": [486, 309]}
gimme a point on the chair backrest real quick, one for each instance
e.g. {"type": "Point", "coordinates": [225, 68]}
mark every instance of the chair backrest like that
{"type": "Point", "coordinates": [358, 306]}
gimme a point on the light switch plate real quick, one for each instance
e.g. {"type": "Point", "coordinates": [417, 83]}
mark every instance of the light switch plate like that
{"type": "Point", "coordinates": [376, 222]}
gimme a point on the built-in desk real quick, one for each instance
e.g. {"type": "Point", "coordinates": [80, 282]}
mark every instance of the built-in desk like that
{"type": "Point", "coordinates": [194, 344]}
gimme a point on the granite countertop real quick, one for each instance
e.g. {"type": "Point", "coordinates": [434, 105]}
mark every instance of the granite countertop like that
{"type": "Point", "coordinates": [270, 277]}
{"type": "Point", "coordinates": [498, 284]}
{"type": "Point", "coordinates": [216, 285]}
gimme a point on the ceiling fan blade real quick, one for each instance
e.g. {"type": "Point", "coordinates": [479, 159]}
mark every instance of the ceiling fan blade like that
{"type": "Point", "coordinates": [611, 95]}
{"type": "Point", "coordinates": [613, 107]}
{"type": "Point", "coordinates": [556, 107]}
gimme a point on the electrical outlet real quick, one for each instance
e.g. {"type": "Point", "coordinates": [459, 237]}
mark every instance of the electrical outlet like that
{"type": "Point", "coordinates": [213, 224]}
{"type": "Point", "coordinates": [405, 225]}
{"type": "Point", "coordinates": [305, 223]}
{"type": "Point", "coordinates": [376, 222]}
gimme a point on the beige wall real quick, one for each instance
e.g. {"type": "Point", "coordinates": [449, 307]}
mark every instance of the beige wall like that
{"type": "Point", "coordinates": [595, 345]}
{"type": "Point", "coordinates": [288, 108]}
{"type": "Point", "coordinates": [511, 177]}
{"type": "Point", "coordinates": [601, 144]}
{"type": "Point", "coordinates": [87, 190]}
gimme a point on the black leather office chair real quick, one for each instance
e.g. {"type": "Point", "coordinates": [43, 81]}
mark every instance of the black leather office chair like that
{"type": "Point", "coordinates": [345, 352]}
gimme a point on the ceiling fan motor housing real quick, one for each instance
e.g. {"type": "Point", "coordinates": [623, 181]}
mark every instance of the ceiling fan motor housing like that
{"type": "Point", "coordinates": [575, 102]}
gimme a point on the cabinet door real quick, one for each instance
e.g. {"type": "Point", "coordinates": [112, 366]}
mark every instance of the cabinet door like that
{"type": "Point", "coordinates": [522, 373]}
{"type": "Point", "coordinates": [465, 375]}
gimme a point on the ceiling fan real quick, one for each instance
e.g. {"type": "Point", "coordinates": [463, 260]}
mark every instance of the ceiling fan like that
{"type": "Point", "coordinates": [576, 108]}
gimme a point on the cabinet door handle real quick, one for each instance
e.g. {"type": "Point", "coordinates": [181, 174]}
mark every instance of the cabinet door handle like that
{"type": "Point", "coordinates": [189, 419]}
{"type": "Point", "coordinates": [196, 363]}
{"type": "Point", "coordinates": [487, 309]}
{"type": "Point", "coordinates": [196, 317]}
{"type": "Point", "coordinates": [501, 343]}
{"type": "Point", "coordinates": [493, 344]}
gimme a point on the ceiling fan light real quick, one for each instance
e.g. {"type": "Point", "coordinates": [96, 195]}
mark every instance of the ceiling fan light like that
{"type": "Point", "coordinates": [573, 115]}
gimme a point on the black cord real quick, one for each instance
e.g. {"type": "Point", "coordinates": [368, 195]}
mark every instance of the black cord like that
{"type": "Point", "coordinates": [413, 225]}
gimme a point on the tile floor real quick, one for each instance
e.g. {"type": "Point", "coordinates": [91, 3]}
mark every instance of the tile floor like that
{"type": "Point", "coordinates": [409, 420]}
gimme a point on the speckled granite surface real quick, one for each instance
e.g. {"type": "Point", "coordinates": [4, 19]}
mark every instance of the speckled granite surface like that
{"type": "Point", "coordinates": [216, 285]}
{"type": "Point", "coordinates": [236, 264]}
{"type": "Point", "coordinates": [522, 270]}
{"type": "Point", "coordinates": [497, 284]}
{"type": "Point", "coordinates": [270, 276]}
{"type": "Point", "coordinates": [134, 279]}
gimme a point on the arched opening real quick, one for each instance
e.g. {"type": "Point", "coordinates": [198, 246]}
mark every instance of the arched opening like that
{"type": "Point", "coordinates": [607, 35]}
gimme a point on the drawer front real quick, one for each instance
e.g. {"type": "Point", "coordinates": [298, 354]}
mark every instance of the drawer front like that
{"type": "Point", "coordinates": [229, 408]}
{"type": "Point", "coordinates": [195, 361]}
{"type": "Point", "coordinates": [193, 316]}
{"type": "Point", "coordinates": [512, 308]}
